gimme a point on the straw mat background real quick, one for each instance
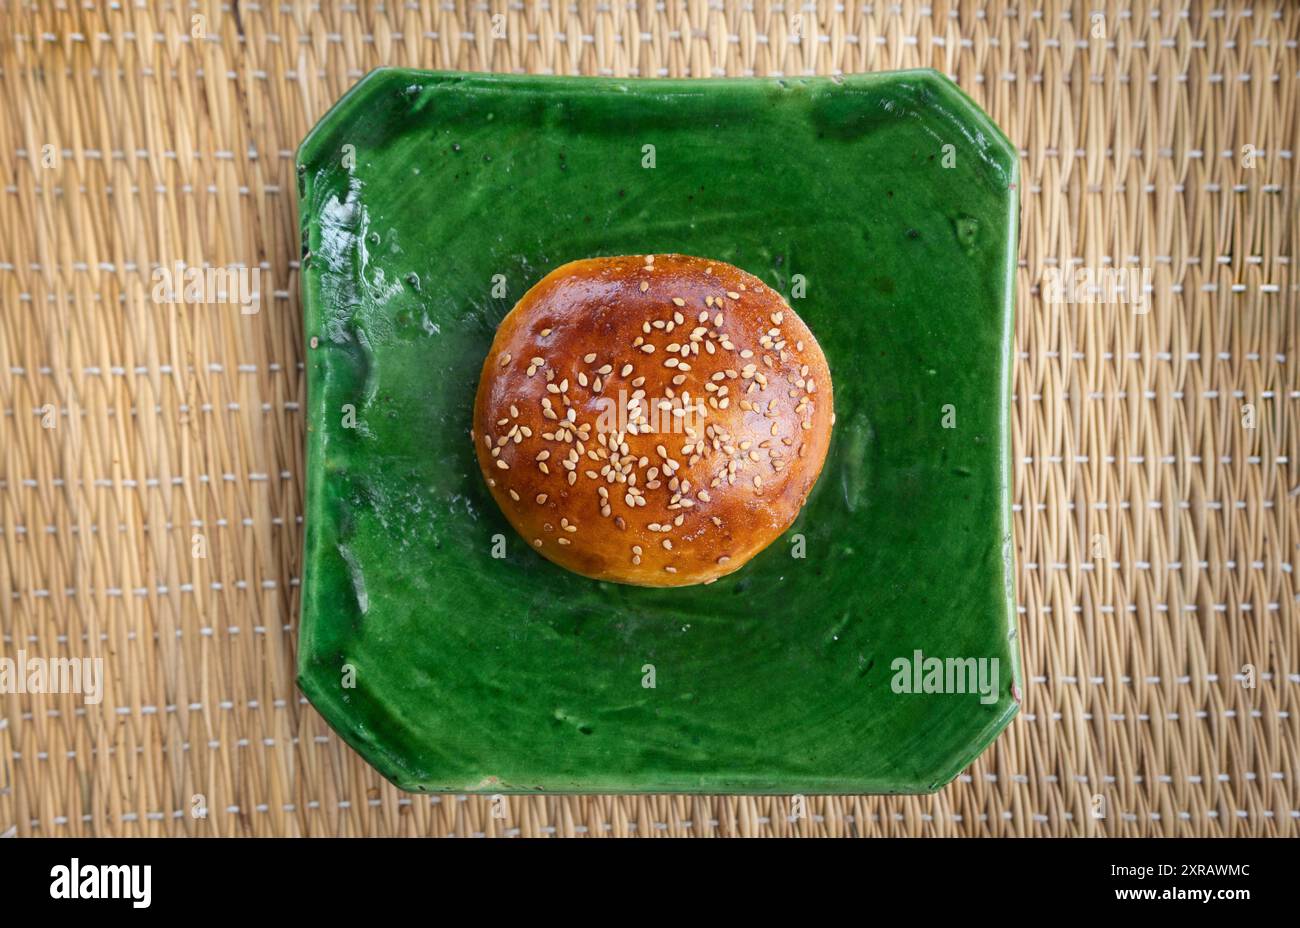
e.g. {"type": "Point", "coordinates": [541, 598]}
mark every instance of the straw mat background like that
{"type": "Point", "coordinates": [1156, 532]}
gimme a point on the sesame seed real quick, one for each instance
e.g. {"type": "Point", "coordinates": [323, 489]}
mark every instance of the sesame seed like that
{"type": "Point", "coordinates": [502, 464]}
{"type": "Point", "coordinates": [541, 499]}
{"type": "Point", "coordinates": [733, 294]}
{"type": "Point", "coordinates": [678, 301]}
{"type": "Point", "coordinates": [627, 369]}
{"type": "Point", "coordinates": [504, 359]}
{"type": "Point", "coordinates": [644, 286]}
{"type": "Point", "coordinates": [648, 348]}
{"type": "Point", "coordinates": [545, 332]}
{"type": "Point", "coordinates": [588, 358]}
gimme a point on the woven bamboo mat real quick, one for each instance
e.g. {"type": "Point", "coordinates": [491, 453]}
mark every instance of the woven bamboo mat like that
{"type": "Point", "coordinates": [1155, 453]}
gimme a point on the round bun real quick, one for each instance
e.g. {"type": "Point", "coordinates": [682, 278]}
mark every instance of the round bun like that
{"type": "Point", "coordinates": [655, 420]}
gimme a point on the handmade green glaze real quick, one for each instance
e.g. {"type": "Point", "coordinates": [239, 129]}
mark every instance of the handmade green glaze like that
{"type": "Point", "coordinates": [884, 207]}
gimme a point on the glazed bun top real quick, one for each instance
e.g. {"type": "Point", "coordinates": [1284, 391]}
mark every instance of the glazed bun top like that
{"type": "Point", "coordinates": [655, 420]}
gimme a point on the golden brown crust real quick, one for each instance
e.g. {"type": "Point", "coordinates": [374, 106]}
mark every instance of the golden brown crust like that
{"type": "Point", "coordinates": [726, 412]}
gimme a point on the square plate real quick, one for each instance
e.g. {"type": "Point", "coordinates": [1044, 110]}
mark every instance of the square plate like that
{"type": "Point", "coordinates": [453, 657]}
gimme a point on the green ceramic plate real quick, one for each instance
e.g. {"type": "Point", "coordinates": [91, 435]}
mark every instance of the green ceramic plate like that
{"type": "Point", "coordinates": [453, 657]}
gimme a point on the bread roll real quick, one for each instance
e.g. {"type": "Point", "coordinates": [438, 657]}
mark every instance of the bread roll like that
{"type": "Point", "coordinates": [655, 420]}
